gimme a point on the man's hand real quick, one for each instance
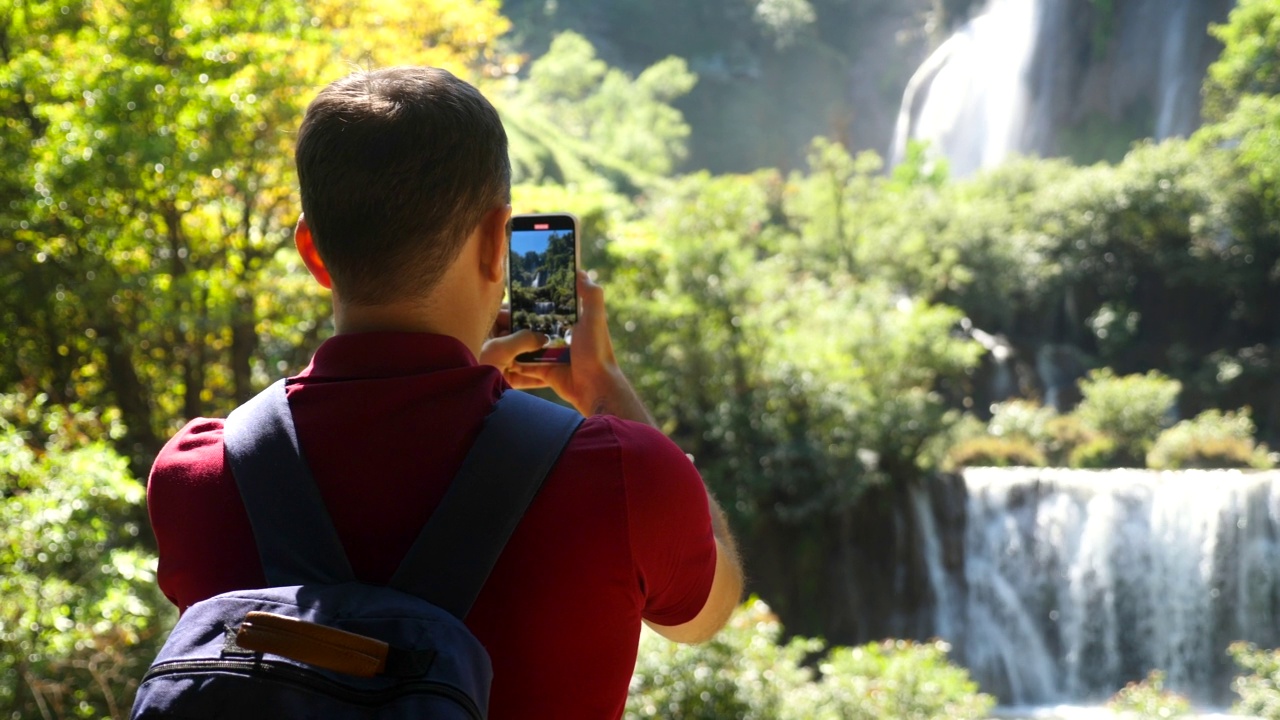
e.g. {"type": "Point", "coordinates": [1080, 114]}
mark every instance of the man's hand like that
{"type": "Point", "coordinates": [502, 347]}
{"type": "Point", "coordinates": [592, 381]}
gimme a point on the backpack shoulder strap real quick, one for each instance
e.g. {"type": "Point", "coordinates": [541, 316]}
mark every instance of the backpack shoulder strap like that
{"type": "Point", "coordinates": [521, 440]}
{"type": "Point", "coordinates": [291, 526]}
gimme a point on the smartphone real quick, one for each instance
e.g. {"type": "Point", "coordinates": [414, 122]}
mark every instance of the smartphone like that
{"type": "Point", "coordinates": [542, 281]}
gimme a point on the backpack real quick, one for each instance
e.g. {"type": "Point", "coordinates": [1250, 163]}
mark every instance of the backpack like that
{"type": "Point", "coordinates": [319, 644]}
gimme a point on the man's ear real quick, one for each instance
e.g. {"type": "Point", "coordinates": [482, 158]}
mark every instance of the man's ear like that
{"type": "Point", "coordinates": [310, 256]}
{"type": "Point", "coordinates": [493, 244]}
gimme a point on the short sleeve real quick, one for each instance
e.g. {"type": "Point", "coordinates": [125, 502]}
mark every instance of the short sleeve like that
{"type": "Point", "coordinates": [204, 540]}
{"type": "Point", "coordinates": [669, 525]}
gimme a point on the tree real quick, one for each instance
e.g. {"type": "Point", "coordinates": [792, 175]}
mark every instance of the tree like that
{"type": "Point", "coordinates": [575, 120]}
{"type": "Point", "coordinates": [80, 614]}
{"type": "Point", "coordinates": [147, 201]}
{"type": "Point", "coordinates": [1250, 61]}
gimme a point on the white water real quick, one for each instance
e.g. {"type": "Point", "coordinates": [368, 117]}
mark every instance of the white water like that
{"type": "Point", "coordinates": [1010, 79]}
{"type": "Point", "coordinates": [969, 99]}
{"type": "Point", "coordinates": [1077, 582]}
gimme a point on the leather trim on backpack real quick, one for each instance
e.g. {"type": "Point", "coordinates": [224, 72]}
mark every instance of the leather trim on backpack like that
{"type": "Point", "coordinates": [317, 645]}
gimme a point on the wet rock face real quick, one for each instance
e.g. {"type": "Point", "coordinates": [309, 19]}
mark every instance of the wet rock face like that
{"type": "Point", "coordinates": [1061, 77]}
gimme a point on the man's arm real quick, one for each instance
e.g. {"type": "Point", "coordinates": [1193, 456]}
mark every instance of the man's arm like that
{"type": "Point", "coordinates": [595, 385]}
{"type": "Point", "coordinates": [726, 588]}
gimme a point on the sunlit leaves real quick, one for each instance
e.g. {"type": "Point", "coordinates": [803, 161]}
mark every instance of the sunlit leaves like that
{"type": "Point", "coordinates": [576, 120]}
{"type": "Point", "coordinates": [748, 671]}
{"type": "Point", "coordinates": [149, 187]}
{"type": "Point", "coordinates": [453, 34]}
{"type": "Point", "coordinates": [795, 389]}
{"type": "Point", "coordinates": [80, 615]}
{"type": "Point", "coordinates": [1250, 60]}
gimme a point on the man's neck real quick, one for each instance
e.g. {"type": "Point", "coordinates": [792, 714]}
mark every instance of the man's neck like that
{"type": "Point", "coordinates": [417, 316]}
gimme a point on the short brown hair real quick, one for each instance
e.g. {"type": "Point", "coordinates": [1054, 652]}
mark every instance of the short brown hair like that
{"type": "Point", "coordinates": [397, 167]}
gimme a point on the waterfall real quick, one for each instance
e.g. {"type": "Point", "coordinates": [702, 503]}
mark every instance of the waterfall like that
{"type": "Point", "coordinates": [1022, 74]}
{"type": "Point", "coordinates": [1076, 582]}
{"type": "Point", "coordinates": [969, 99]}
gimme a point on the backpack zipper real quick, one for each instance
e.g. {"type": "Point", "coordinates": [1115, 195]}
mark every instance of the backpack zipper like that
{"type": "Point", "coordinates": [308, 679]}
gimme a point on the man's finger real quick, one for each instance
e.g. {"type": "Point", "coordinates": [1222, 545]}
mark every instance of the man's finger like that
{"type": "Point", "coordinates": [592, 295]}
{"type": "Point", "coordinates": [545, 374]}
{"type": "Point", "coordinates": [501, 352]}
{"type": "Point", "coordinates": [522, 381]}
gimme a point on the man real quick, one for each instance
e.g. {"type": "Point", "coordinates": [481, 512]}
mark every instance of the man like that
{"type": "Point", "coordinates": [405, 187]}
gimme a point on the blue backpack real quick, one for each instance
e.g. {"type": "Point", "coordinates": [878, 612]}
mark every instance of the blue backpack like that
{"type": "Point", "coordinates": [319, 644]}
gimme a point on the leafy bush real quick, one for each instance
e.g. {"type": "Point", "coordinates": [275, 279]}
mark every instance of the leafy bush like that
{"type": "Point", "coordinates": [1130, 410]}
{"type": "Point", "coordinates": [1209, 440]}
{"type": "Point", "coordinates": [896, 679]}
{"type": "Point", "coordinates": [1120, 415]}
{"type": "Point", "coordinates": [1064, 434]}
{"type": "Point", "coordinates": [990, 451]}
{"type": "Point", "coordinates": [1096, 454]}
{"type": "Point", "coordinates": [1259, 690]}
{"type": "Point", "coordinates": [1021, 418]}
{"type": "Point", "coordinates": [746, 672]}
{"type": "Point", "coordinates": [80, 614]}
{"type": "Point", "coordinates": [1149, 700]}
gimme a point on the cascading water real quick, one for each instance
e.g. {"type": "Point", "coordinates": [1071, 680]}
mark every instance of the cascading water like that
{"type": "Point", "coordinates": [969, 99]}
{"type": "Point", "coordinates": [1022, 74]}
{"type": "Point", "coordinates": [1076, 582]}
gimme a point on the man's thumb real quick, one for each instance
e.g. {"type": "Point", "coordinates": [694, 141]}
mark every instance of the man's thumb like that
{"type": "Point", "coordinates": [524, 341]}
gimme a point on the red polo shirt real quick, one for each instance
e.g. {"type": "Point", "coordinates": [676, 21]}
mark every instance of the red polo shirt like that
{"type": "Point", "coordinates": [619, 531]}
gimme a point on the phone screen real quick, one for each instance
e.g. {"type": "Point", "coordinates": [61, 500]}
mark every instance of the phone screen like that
{"type": "Point", "coordinates": [543, 285]}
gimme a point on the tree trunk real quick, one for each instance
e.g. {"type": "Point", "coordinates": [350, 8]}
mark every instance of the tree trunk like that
{"type": "Point", "coordinates": [194, 361]}
{"type": "Point", "coordinates": [244, 343]}
{"type": "Point", "coordinates": [132, 397]}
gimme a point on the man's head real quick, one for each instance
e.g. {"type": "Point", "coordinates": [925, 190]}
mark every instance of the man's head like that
{"type": "Point", "coordinates": [397, 168]}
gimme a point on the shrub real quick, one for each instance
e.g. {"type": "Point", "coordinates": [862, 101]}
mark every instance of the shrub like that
{"type": "Point", "coordinates": [80, 614]}
{"type": "Point", "coordinates": [1259, 690]}
{"type": "Point", "coordinates": [1021, 419]}
{"type": "Point", "coordinates": [1149, 699]}
{"type": "Point", "coordinates": [746, 672]}
{"type": "Point", "coordinates": [897, 679]}
{"type": "Point", "coordinates": [1131, 410]}
{"type": "Point", "coordinates": [992, 451]}
{"type": "Point", "coordinates": [1098, 453]}
{"type": "Point", "coordinates": [1209, 440]}
{"type": "Point", "coordinates": [1064, 434]}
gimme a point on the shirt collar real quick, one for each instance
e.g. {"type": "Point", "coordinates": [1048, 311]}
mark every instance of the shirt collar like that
{"type": "Point", "coordinates": [386, 354]}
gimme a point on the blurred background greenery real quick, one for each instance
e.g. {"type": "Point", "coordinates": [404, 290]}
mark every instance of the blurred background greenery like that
{"type": "Point", "coordinates": [821, 333]}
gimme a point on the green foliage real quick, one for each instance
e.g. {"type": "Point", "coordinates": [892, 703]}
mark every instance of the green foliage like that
{"type": "Point", "coordinates": [1211, 439]}
{"type": "Point", "coordinates": [1118, 416]}
{"type": "Point", "coordinates": [1021, 419]}
{"type": "Point", "coordinates": [1259, 688]}
{"type": "Point", "coordinates": [1149, 700]}
{"type": "Point", "coordinates": [897, 679]}
{"type": "Point", "coordinates": [1098, 453]}
{"type": "Point", "coordinates": [576, 120]}
{"type": "Point", "coordinates": [991, 451]}
{"type": "Point", "coordinates": [748, 672]}
{"type": "Point", "coordinates": [795, 391]}
{"type": "Point", "coordinates": [773, 74]}
{"type": "Point", "coordinates": [147, 199]}
{"type": "Point", "coordinates": [1130, 410]}
{"type": "Point", "coordinates": [1250, 59]}
{"type": "Point", "coordinates": [80, 614]}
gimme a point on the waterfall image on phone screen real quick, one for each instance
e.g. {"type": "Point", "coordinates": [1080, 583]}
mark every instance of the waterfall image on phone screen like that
{"type": "Point", "coordinates": [543, 296]}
